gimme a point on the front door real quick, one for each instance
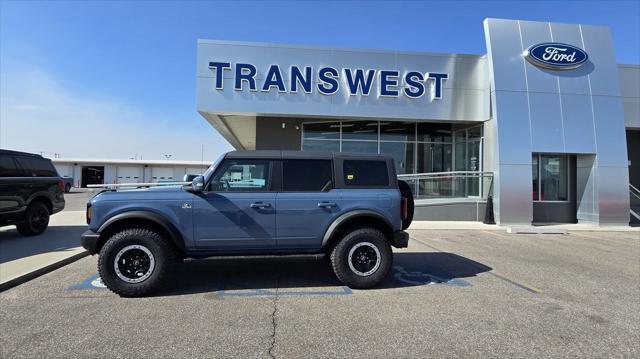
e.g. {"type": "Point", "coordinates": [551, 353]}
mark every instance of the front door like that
{"type": "Point", "coordinates": [237, 209]}
{"type": "Point", "coordinates": [307, 204]}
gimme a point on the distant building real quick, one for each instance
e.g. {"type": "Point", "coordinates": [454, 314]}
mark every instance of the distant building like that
{"type": "Point", "coordinates": [86, 171]}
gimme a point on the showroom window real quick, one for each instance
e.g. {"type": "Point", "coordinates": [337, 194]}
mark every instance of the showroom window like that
{"type": "Point", "coordinates": [415, 147]}
{"type": "Point", "coordinates": [550, 177]}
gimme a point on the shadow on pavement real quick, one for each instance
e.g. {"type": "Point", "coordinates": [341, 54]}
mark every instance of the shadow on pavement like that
{"type": "Point", "coordinates": [221, 274]}
{"type": "Point", "coordinates": [56, 238]}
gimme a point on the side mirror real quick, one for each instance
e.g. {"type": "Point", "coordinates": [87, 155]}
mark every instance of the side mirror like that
{"type": "Point", "coordinates": [197, 185]}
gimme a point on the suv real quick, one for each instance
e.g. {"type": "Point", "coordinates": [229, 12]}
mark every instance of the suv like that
{"type": "Point", "coordinates": [30, 191]}
{"type": "Point", "coordinates": [348, 206]}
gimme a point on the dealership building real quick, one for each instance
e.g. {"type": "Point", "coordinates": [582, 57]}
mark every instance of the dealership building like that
{"type": "Point", "coordinates": [546, 124]}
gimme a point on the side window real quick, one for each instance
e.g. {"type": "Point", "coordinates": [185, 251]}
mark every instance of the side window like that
{"type": "Point", "coordinates": [8, 167]}
{"type": "Point", "coordinates": [37, 167]}
{"type": "Point", "coordinates": [306, 175]}
{"type": "Point", "coordinates": [241, 176]}
{"type": "Point", "coordinates": [365, 173]}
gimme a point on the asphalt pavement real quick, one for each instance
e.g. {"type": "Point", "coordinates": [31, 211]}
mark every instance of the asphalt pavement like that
{"type": "Point", "coordinates": [450, 294]}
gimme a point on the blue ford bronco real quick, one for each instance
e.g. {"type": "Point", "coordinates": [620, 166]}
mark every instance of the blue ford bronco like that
{"type": "Point", "coordinates": [350, 207]}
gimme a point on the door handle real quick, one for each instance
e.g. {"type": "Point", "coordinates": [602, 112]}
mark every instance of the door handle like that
{"type": "Point", "coordinates": [260, 205]}
{"type": "Point", "coordinates": [326, 205]}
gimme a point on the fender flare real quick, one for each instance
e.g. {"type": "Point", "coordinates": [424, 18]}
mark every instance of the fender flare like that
{"type": "Point", "coordinates": [175, 236]}
{"type": "Point", "coordinates": [350, 215]}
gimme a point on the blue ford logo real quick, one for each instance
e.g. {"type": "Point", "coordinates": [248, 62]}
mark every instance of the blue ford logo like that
{"type": "Point", "coordinates": [556, 56]}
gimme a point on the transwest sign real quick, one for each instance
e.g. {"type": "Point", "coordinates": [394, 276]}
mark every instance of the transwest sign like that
{"type": "Point", "coordinates": [327, 80]}
{"type": "Point", "coordinates": [556, 56]}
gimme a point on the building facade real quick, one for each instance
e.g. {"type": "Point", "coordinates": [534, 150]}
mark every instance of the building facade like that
{"type": "Point", "coordinates": [85, 171]}
{"type": "Point", "coordinates": [545, 123]}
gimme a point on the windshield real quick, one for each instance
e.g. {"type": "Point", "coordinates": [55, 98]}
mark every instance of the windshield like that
{"type": "Point", "coordinates": [207, 174]}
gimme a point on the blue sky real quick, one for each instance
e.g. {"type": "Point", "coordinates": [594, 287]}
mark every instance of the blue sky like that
{"type": "Point", "coordinates": [114, 79]}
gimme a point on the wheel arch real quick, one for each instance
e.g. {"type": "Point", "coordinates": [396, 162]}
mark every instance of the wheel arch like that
{"type": "Point", "coordinates": [141, 219]}
{"type": "Point", "coordinates": [353, 219]}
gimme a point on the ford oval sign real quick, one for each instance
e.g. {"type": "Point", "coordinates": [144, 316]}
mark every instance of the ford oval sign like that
{"type": "Point", "coordinates": [556, 56]}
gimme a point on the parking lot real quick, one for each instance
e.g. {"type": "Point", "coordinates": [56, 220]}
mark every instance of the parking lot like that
{"type": "Point", "coordinates": [451, 293]}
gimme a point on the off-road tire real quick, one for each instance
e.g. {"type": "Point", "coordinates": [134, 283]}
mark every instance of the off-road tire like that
{"type": "Point", "coordinates": [340, 258]}
{"type": "Point", "coordinates": [36, 219]}
{"type": "Point", "coordinates": [163, 255]}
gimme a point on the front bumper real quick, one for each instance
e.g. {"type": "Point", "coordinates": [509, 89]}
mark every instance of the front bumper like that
{"type": "Point", "coordinates": [400, 239]}
{"type": "Point", "coordinates": [89, 241]}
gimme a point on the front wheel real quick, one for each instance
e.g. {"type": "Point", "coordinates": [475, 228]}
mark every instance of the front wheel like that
{"type": "Point", "coordinates": [135, 262]}
{"type": "Point", "coordinates": [362, 258]}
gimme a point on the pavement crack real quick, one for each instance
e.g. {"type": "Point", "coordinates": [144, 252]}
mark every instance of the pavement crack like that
{"type": "Point", "coordinates": [274, 319]}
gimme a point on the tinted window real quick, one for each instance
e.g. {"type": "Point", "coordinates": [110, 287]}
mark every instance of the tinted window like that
{"type": "Point", "coordinates": [8, 167]}
{"type": "Point", "coordinates": [241, 176]}
{"type": "Point", "coordinates": [306, 175]}
{"type": "Point", "coordinates": [37, 167]}
{"type": "Point", "coordinates": [365, 173]}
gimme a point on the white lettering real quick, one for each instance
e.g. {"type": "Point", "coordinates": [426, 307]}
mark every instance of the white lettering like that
{"type": "Point", "coordinates": [556, 54]}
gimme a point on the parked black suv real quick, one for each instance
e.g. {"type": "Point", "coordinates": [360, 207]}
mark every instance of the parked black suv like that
{"type": "Point", "coordinates": [30, 191]}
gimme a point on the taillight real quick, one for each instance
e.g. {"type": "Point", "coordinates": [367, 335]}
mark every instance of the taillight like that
{"type": "Point", "coordinates": [61, 185]}
{"type": "Point", "coordinates": [89, 213]}
{"type": "Point", "coordinates": [404, 203]}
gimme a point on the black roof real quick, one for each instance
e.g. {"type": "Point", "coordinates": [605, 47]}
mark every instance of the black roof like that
{"type": "Point", "coordinates": [18, 153]}
{"type": "Point", "coordinates": [270, 154]}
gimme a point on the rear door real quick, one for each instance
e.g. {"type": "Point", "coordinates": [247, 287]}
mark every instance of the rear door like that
{"type": "Point", "coordinates": [237, 209]}
{"type": "Point", "coordinates": [12, 184]}
{"type": "Point", "coordinates": [307, 203]}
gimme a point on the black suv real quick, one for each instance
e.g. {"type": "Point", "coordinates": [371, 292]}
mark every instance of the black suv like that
{"type": "Point", "coordinates": [30, 191]}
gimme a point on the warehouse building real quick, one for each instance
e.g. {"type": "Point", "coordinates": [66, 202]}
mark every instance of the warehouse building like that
{"type": "Point", "coordinates": [109, 171]}
{"type": "Point", "coordinates": [547, 123]}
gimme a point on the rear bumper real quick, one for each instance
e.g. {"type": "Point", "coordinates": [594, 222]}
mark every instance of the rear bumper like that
{"type": "Point", "coordinates": [58, 206]}
{"type": "Point", "coordinates": [400, 239]}
{"type": "Point", "coordinates": [89, 241]}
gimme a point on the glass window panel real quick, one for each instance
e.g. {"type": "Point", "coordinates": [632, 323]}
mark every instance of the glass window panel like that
{"type": "Point", "coordinates": [461, 156]}
{"type": "Point", "coordinates": [475, 133]}
{"type": "Point", "coordinates": [434, 132]}
{"type": "Point", "coordinates": [397, 131]}
{"type": "Point", "coordinates": [319, 145]}
{"type": "Point", "coordinates": [402, 153]}
{"type": "Point", "coordinates": [325, 130]}
{"type": "Point", "coordinates": [534, 174]}
{"type": "Point", "coordinates": [553, 178]}
{"type": "Point", "coordinates": [360, 130]}
{"type": "Point", "coordinates": [306, 175]}
{"type": "Point", "coordinates": [365, 173]}
{"type": "Point", "coordinates": [242, 176]}
{"type": "Point", "coordinates": [360, 146]}
{"type": "Point", "coordinates": [434, 157]}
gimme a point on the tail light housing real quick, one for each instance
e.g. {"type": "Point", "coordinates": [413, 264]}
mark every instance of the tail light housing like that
{"type": "Point", "coordinates": [61, 185]}
{"type": "Point", "coordinates": [404, 208]}
{"type": "Point", "coordinates": [89, 213]}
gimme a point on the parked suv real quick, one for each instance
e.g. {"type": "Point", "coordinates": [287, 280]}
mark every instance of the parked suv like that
{"type": "Point", "coordinates": [30, 191]}
{"type": "Point", "coordinates": [349, 206]}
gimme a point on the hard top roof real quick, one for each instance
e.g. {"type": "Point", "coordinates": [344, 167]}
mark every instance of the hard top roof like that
{"type": "Point", "coordinates": [18, 153]}
{"type": "Point", "coordinates": [310, 155]}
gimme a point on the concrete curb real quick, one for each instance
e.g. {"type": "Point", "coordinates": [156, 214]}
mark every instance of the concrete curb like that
{"type": "Point", "coordinates": [41, 271]}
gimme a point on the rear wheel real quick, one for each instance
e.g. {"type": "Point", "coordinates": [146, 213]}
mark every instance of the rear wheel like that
{"type": "Point", "coordinates": [67, 188]}
{"type": "Point", "coordinates": [362, 258]}
{"type": "Point", "coordinates": [36, 219]}
{"type": "Point", "coordinates": [135, 262]}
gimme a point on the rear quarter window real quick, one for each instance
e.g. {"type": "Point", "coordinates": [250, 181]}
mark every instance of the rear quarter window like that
{"type": "Point", "coordinates": [37, 167]}
{"type": "Point", "coordinates": [365, 173]}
